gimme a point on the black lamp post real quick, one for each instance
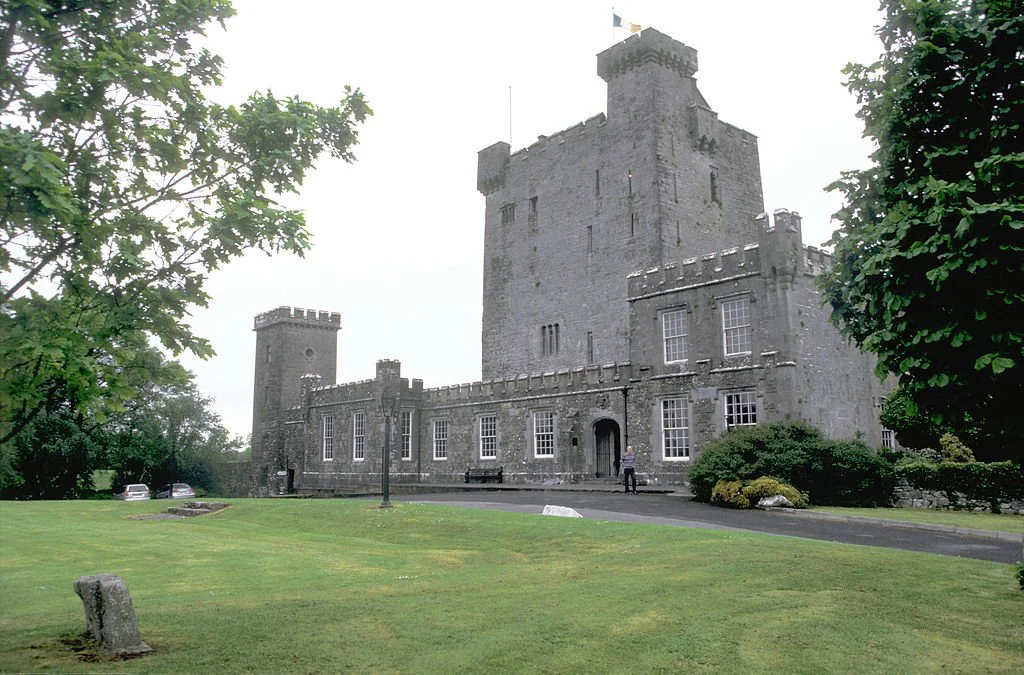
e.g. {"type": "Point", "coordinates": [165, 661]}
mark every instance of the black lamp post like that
{"type": "Point", "coordinates": [387, 376]}
{"type": "Point", "coordinates": [387, 408]}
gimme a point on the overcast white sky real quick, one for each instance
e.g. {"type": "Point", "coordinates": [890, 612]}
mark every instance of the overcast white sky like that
{"type": "Point", "coordinates": [398, 236]}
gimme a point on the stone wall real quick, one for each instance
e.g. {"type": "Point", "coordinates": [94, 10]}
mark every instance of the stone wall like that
{"type": "Point", "coordinates": [567, 218]}
{"type": "Point", "coordinates": [908, 496]}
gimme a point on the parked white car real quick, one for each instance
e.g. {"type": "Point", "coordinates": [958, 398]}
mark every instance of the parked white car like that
{"type": "Point", "coordinates": [180, 491]}
{"type": "Point", "coordinates": [135, 492]}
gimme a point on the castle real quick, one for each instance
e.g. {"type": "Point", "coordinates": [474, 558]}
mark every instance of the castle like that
{"type": "Point", "coordinates": [634, 292]}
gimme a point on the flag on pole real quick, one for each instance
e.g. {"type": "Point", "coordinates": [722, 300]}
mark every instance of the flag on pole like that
{"type": "Point", "coordinates": [617, 22]}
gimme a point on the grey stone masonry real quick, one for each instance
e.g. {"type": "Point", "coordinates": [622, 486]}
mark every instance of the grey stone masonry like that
{"type": "Point", "coordinates": [109, 616]}
{"type": "Point", "coordinates": [658, 178]}
{"type": "Point", "coordinates": [634, 293]}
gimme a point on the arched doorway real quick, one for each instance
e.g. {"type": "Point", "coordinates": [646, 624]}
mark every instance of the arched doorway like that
{"type": "Point", "coordinates": [607, 450]}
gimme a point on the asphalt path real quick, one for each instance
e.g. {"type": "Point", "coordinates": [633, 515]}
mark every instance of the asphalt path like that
{"type": "Point", "coordinates": [667, 509]}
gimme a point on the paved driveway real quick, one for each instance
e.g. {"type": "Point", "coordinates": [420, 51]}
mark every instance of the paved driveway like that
{"type": "Point", "coordinates": [667, 509]}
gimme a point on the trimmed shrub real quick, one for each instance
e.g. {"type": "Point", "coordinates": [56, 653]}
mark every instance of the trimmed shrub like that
{"type": "Point", "coordinates": [991, 482]}
{"type": "Point", "coordinates": [840, 473]}
{"type": "Point", "coordinates": [729, 493]}
{"type": "Point", "coordinates": [762, 487]}
{"type": "Point", "coordinates": [953, 450]}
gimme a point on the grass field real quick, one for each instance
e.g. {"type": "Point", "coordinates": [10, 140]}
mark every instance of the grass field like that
{"type": "Point", "coordinates": [294, 586]}
{"type": "Point", "coordinates": [998, 522]}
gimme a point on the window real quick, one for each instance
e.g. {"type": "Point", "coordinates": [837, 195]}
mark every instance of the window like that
{"type": "Point", "coordinates": [544, 434]}
{"type": "Point", "coordinates": [440, 439]}
{"type": "Point", "coordinates": [887, 439]}
{"type": "Point", "coordinates": [736, 326]}
{"type": "Point", "coordinates": [533, 208]}
{"type": "Point", "coordinates": [488, 437]}
{"type": "Point", "coordinates": [632, 224]}
{"type": "Point", "coordinates": [269, 354]}
{"type": "Point", "coordinates": [713, 180]}
{"type": "Point", "coordinates": [405, 422]}
{"type": "Point", "coordinates": [590, 347]}
{"type": "Point", "coordinates": [740, 409]}
{"type": "Point", "coordinates": [597, 182]}
{"type": "Point", "coordinates": [675, 429]}
{"type": "Point", "coordinates": [673, 329]}
{"type": "Point", "coordinates": [508, 214]}
{"type": "Point", "coordinates": [590, 240]}
{"type": "Point", "coordinates": [328, 437]}
{"type": "Point", "coordinates": [549, 339]}
{"type": "Point", "coordinates": [358, 436]}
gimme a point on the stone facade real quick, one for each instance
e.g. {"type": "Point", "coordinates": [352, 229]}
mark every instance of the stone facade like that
{"type": "Point", "coordinates": [634, 292]}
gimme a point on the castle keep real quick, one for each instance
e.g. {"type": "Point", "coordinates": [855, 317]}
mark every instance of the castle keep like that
{"type": "Point", "coordinates": [634, 292]}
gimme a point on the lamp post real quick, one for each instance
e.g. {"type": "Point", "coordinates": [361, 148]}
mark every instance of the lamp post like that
{"type": "Point", "coordinates": [387, 408]}
{"type": "Point", "coordinates": [388, 381]}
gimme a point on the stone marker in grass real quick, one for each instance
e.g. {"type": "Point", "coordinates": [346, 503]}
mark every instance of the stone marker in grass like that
{"type": "Point", "coordinates": [109, 616]}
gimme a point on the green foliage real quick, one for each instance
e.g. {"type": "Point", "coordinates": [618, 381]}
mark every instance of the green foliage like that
{"type": "Point", "coordinates": [928, 261]}
{"type": "Point", "coordinates": [168, 432]}
{"type": "Point", "coordinates": [729, 493]}
{"type": "Point", "coordinates": [52, 458]}
{"type": "Point", "coordinates": [122, 186]}
{"type": "Point", "coordinates": [746, 494]}
{"type": "Point", "coordinates": [840, 473]}
{"type": "Point", "coordinates": [953, 449]}
{"type": "Point", "coordinates": [1019, 573]}
{"type": "Point", "coordinates": [764, 486]}
{"type": "Point", "coordinates": [991, 483]}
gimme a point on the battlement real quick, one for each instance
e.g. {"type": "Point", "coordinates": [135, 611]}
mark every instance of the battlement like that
{"type": "Point", "coordinates": [817, 260]}
{"type": "Point", "coordinates": [707, 269]}
{"type": "Point", "coordinates": [579, 379]}
{"type": "Point", "coordinates": [647, 46]}
{"type": "Point", "coordinates": [296, 315]}
{"type": "Point", "coordinates": [559, 138]}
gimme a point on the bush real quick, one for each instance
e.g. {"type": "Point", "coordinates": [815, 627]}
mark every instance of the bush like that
{"type": "Point", "coordinates": [991, 482]}
{"type": "Point", "coordinates": [762, 487]}
{"type": "Point", "coordinates": [729, 493]}
{"type": "Point", "coordinates": [953, 450]}
{"type": "Point", "coordinates": [841, 473]}
{"type": "Point", "coordinates": [746, 494]}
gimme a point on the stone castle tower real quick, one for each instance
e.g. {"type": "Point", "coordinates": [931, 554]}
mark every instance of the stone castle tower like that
{"type": "Point", "coordinates": [293, 346]}
{"type": "Point", "coordinates": [658, 179]}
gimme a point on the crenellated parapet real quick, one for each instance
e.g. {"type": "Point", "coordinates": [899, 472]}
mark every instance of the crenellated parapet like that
{"type": "Point", "coordinates": [491, 164]}
{"type": "Point", "coordinates": [560, 139]}
{"type": "Point", "coordinates": [713, 268]}
{"type": "Point", "coordinates": [296, 315]}
{"type": "Point", "coordinates": [580, 379]}
{"type": "Point", "coordinates": [647, 46]}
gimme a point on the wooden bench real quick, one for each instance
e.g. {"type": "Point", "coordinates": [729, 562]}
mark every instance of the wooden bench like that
{"type": "Point", "coordinates": [483, 474]}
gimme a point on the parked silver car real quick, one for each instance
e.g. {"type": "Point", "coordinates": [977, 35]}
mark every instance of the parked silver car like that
{"type": "Point", "coordinates": [134, 492]}
{"type": "Point", "coordinates": [180, 491]}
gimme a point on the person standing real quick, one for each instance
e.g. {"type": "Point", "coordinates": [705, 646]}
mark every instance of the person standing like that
{"type": "Point", "coordinates": [629, 468]}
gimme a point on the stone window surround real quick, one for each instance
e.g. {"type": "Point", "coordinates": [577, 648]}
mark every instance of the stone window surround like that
{"type": "Point", "coordinates": [741, 404]}
{"type": "Point", "coordinates": [487, 435]}
{"type": "Point", "coordinates": [405, 434]}
{"type": "Point", "coordinates": [734, 330]}
{"type": "Point", "coordinates": [439, 439]}
{"type": "Point", "coordinates": [673, 328]}
{"type": "Point", "coordinates": [544, 436]}
{"type": "Point", "coordinates": [683, 410]}
{"type": "Point", "coordinates": [327, 435]}
{"type": "Point", "coordinates": [358, 436]}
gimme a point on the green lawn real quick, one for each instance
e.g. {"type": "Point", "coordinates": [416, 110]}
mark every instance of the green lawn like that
{"type": "Point", "coordinates": [979, 521]}
{"type": "Point", "coordinates": [287, 586]}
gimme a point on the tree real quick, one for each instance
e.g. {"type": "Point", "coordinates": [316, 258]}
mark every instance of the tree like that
{"type": "Point", "coordinates": [122, 186]}
{"type": "Point", "coordinates": [168, 431]}
{"type": "Point", "coordinates": [928, 259]}
{"type": "Point", "coordinates": [52, 458]}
